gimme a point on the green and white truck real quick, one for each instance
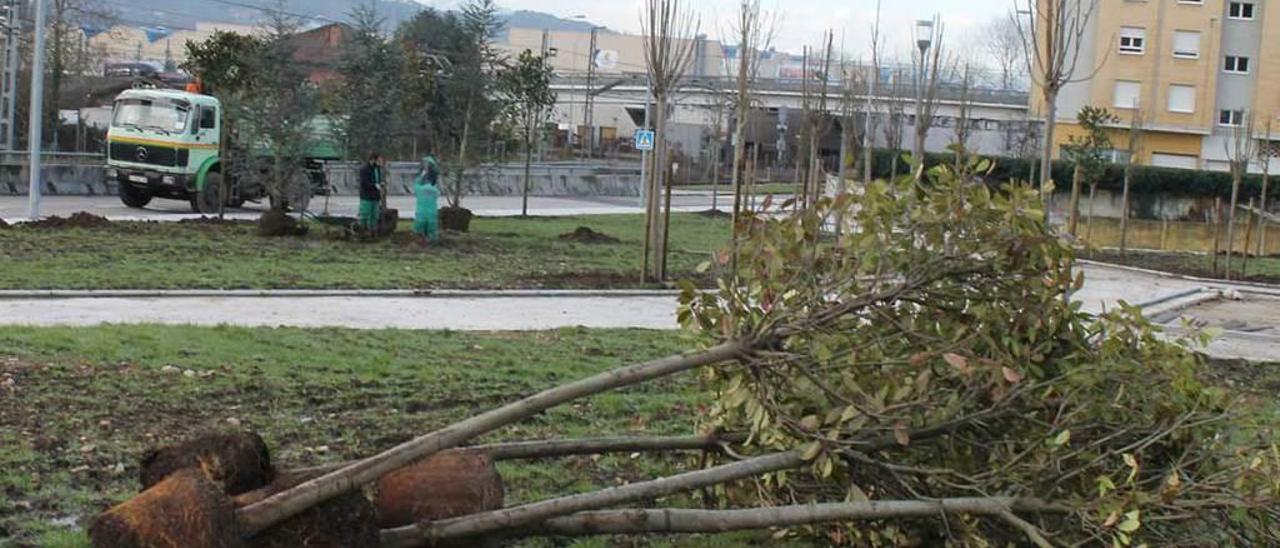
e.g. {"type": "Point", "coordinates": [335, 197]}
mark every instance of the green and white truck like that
{"type": "Point", "coordinates": [166, 143]}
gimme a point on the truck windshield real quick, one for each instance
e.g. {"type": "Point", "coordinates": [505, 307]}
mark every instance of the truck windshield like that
{"type": "Point", "coordinates": [158, 114]}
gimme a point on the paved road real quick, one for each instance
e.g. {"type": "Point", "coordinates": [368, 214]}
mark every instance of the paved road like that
{"type": "Point", "coordinates": [1104, 287]}
{"type": "Point", "coordinates": [14, 208]}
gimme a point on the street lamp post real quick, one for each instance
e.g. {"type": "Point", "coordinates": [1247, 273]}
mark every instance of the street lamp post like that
{"type": "Point", "coordinates": [36, 115]}
{"type": "Point", "coordinates": [924, 40]}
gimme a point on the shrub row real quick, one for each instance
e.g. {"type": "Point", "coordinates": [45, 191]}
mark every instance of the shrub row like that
{"type": "Point", "coordinates": [1146, 179]}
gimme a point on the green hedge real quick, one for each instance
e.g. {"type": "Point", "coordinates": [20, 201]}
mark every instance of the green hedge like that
{"type": "Point", "coordinates": [1146, 179]}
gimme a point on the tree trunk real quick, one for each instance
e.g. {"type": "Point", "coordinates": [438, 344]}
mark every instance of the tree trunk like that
{"type": "Point", "coordinates": [528, 162]}
{"type": "Point", "coordinates": [530, 514]}
{"type": "Point", "coordinates": [1236, 175]}
{"type": "Point", "coordinates": [1073, 215]}
{"type": "Point", "coordinates": [715, 174]}
{"type": "Point", "coordinates": [259, 516]}
{"type": "Point", "coordinates": [1262, 209]}
{"type": "Point", "coordinates": [455, 197]}
{"type": "Point", "coordinates": [542, 449]}
{"type": "Point", "coordinates": [1124, 211]}
{"type": "Point", "coordinates": [1248, 239]}
{"type": "Point", "coordinates": [1046, 151]}
{"type": "Point", "coordinates": [1217, 233]}
{"type": "Point", "coordinates": [1088, 230]}
{"type": "Point", "coordinates": [666, 228]}
{"type": "Point", "coordinates": [635, 521]}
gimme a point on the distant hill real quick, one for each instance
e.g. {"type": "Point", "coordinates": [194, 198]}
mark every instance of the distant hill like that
{"type": "Point", "coordinates": [186, 13]}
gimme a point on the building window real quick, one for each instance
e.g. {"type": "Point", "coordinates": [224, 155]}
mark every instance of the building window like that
{"type": "Point", "coordinates": [1236, 64]}
{"type": "Point", "coordinates": [1240, 10]}
{"type": "Point", "coordinates": [1182, 98]}
{"type": "Point", "coordinates": [1186, 44]}
{"type": "Point", "coordinates": [1196, 2]}
{"type": "Point", "coordinates": [1126, 94]}
{"type": "Point", "coordinates": [1231, 118]}
{"type": "Point", "coordinates": [1133, 40]}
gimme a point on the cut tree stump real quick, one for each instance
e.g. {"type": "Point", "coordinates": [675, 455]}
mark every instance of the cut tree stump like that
{"type": "Point", "coordinates": [235, 461]}
{"type": "Point", "coordinates": [185, 510]}
{"type": "Point", "coordinates": [445, 485]}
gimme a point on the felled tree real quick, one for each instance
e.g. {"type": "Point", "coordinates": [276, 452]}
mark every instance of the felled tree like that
{"type": "Point", "coordinates": [982, 378]}
{"type": "Point", "coordinates": [1088, 152]}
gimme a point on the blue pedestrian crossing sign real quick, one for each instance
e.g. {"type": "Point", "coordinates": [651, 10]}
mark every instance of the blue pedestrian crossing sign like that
{"type": "Point", "coordinates": [644, 139]}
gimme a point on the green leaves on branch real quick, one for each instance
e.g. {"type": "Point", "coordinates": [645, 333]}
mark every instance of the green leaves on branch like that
{"type": "Point", "coordinates": [935, 316]}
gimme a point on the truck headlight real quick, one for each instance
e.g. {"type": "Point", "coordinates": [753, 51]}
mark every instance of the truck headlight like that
{"type": "Point", "coordinates": [167, 179]}
{"type": "Point", "coordinates": [111, 173]}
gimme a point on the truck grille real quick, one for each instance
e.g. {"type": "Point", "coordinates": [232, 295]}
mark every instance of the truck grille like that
{"type": "Point", "coordinates": [147, 154]}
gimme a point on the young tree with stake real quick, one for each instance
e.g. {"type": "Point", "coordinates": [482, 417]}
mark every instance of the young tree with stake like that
{"type": "Point", "coordinates": [669, 30]}
{"type": "Point", "coordinates": [1052, 36]}
{"type": "Point", "coordinates": [526, 84]}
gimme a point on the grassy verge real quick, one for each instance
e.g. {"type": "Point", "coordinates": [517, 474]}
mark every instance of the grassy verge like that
{"type": "Point", "coordinates": [498, 253]}
{"type": "Point", "coordinates": [1260, 269]}
{"type": "Point", "coordinates": [78, 406]}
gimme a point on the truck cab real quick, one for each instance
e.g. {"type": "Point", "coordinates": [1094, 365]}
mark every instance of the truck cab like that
{"type": "Point", "coordinates": [165, 143]}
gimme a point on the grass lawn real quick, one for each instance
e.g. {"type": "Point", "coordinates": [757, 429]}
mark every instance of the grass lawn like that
{"type": "Point", "coordinates": [498, 253]}
{"type": "Point", "coordinates": [78, 406]}
{"type": "Point", "coordinates": [1260, 269]}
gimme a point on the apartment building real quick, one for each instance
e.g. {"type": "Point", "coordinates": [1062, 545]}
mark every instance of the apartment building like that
{"type": "Point", "coordinates": [1192, 71]}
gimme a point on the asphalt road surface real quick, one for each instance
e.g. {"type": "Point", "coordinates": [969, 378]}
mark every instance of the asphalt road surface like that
{"type": "Point", "coordinates": [15, 208]}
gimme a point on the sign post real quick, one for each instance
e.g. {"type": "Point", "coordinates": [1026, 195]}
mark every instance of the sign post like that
{"type": "Point", "coordinates": [644, 144]}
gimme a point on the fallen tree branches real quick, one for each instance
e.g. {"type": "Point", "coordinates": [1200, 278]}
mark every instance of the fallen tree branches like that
{"type": "Point", "coordinates": [520, 516]}
{"type": "Point", "coordinates": [668, 520]}
{"type": "Point", "coordinates": [541, 449]}
{"type": "Point", "coordinates": [263, 514]}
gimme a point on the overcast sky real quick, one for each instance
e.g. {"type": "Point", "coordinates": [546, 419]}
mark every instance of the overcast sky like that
{"type": "Point", "coordinates": [803, 21]}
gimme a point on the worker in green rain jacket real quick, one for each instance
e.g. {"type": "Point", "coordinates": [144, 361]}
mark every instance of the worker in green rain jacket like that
{"type": "Point", "coordinates": [426, 188]}
{"type": "Point", "coordinates": [371, 180]}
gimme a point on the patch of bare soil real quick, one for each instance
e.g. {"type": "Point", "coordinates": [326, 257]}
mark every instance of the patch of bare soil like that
{"type": "Point", "coordinates": [80, 219]}
{"type": "Point", "coordinates": [4, 225]}
{"type": "Point", "coordinates": [585, 235]}
{"type": "Point", "coordinates": [1179, 263]}
{"type": "Point", "coordinates": [715, 213]}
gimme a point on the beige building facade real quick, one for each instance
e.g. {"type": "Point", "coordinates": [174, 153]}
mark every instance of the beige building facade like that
{"type": "Point", "coordinates": [1192, 72]}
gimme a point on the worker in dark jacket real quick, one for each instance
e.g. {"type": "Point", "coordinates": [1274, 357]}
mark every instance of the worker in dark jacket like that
{"type": "Point", "coordinates": [371, 179]}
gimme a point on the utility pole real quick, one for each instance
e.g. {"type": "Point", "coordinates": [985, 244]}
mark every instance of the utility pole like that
{"type": "Point", "coordinates": [36, 114]}
{"type": "Point", "coordinates": [546, 46]}
{"type": "Point", "coordinates": [9, 83]}
{"type": "Point", "coordinates": [590, 109]}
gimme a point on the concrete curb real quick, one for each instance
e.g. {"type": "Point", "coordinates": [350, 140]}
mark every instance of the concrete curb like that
{"type": "Point", "coordinates": [18, 294]}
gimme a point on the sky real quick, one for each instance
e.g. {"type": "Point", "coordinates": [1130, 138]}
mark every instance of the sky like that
{"type": "Point", "coordinates": [802, 21]}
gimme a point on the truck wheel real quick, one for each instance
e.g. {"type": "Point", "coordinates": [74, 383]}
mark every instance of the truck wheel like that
{"type": "Point", "coordinates": [133, 196]}
{"type": "Point", "coordinates": [206, 200]}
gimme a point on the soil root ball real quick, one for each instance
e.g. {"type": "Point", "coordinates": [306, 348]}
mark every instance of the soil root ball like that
{"type": "Point", "coordinates": [277, 222]}
{"type": "Point", "coordinates": [345, 521]}
{"type": "Point", "coordinates": [585, 235]}
{"type": "Point", "coordinates": [235, 461]}
{"type": "Point", "coordinates": [185, 510]}
{"type": "Point", "coordinates": [449, 484]}
{"type": "Point", "coordinates": [457, 219]}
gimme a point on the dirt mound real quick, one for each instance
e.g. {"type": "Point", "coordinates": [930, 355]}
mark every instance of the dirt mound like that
{"type": "Point", "coordinates": [276, 223]}
{"type": "Point", "coordinates": [80, 219]}
{"type": "Point", "coordinates": [715, 213]}
{"type": "Point", "coordinates": [4, 224]}
{"type": "Point", "coordinates": [585, 235]}
{"type": "Point", "coordinates": [207, 220]}
{"type": "Point", "coordinates": [237, 461]}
